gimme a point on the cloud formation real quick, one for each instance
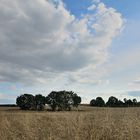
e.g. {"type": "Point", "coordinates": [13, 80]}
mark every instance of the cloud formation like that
{"type": "Point", "coordinates": [42, 41]}
{"type": "Point", "coordinates": [92, 7]}
{"type": "Point", "coordinates": [134, 93]}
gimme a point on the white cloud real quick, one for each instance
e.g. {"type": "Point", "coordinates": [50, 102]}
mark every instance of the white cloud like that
{"type": "Point", "coordinates": [92, 7]}
{"type": "Point", "coordinates": [96, 1]}
{"type": "Point", "coordinates": [125, 60]}
{"type": "Point", "coordinates": [42, 42]}
{"type": "Point", "coordinates": [134, 85]}
{"type": "Point", "coordinates": [137, 81]}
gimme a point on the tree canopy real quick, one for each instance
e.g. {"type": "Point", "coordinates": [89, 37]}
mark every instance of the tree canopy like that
{"type": "Point", "coordinates": [97, 102]}
{"type": "Point", "coordinates": [114, 102]}
{"type": "Point", "coordinates": [63, 100]}
{"type": "Point", "coordinates": [60, 100]}
{"type": "Point", "coordinates": [26, 101]}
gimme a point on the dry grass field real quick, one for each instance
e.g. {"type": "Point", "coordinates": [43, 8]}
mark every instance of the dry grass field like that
{"type": "Point", "coordinates": [87, 124]}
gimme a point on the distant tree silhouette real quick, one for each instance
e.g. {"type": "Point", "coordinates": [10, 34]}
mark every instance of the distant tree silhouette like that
{"type": "Point", "coordinates": [63, 100]}
{"type": "Point", "coordinates": [112, 102]}
{"type": "Point", "coordinates": [76, 99]}
{"type": "Point", "coordinates": [99, 102]}
{"type": "Point", "coordinates": [51, 100]}
{"type": "Point", "coordinates": [125, 100]}
{"type": "Point", "coordinates": [138, 104]}
{"type": "Point", "coordinates": [30, 102]}
{"type": "Point", "coordinates": [25, 101]}
{"type": "Point", "coordinates": [120, 103]}
{"type": "Point", "coordinates": [93, 102]}
{"type": "Point", "coordinates": [40, 102]}
{"type": "Point", "coordinates": [135, 102]}
{"type": "Point", "coordinates": [129, 102]}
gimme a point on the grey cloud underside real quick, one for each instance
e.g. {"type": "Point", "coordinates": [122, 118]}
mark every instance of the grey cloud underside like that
{"type": "Point", "coordinates": [57, 61]}
{"type": "Point", "coordinates": [40, 41]}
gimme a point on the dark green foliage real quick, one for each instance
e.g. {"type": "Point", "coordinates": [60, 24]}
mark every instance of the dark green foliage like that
{"type": "Point", "coordinates": [114, 102]}
{"type": "Point", "coordinates": [98, 102]}
{"type": "Point", "coordinates": [130, 102]}
{"type": "Point", "coordinates": [138, 104]}
{"type": "Point", "coordinates": [93, 102]}
{"type": "Point", "coordinates": [25, 102]}
{"type": "Point", "coordinates": [76, 100]}
{"type": "Point", "coordinates": [51, 99]}
{"type": "Point", "coordinates": [40, 102]}
{"type": "Point", "coordinates": [135, 102]}
{"type": "Point", "coordinates": [62, 100]}
{"type": "Point", "coordinates": [120, 103]}
{"type": "Point", "coordinates": [30, 102]}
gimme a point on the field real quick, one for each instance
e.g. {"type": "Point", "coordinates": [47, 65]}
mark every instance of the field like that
{"type": "Point", "coordinates": [86, 124]}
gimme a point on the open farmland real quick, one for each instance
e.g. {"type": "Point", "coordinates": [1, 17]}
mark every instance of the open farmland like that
{"type": "Point", "coordinates": [88, 123]}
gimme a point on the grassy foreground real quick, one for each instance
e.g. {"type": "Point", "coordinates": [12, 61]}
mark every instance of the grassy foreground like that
{"type": "Point", "coordinates": [87, 124]}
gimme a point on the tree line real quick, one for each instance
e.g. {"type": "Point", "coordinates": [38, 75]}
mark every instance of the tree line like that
{"type": "Point", "coordinates": [57, 100]}
{"type": "Point", "coordinates": [114, 102]}
{"type": "Point", "coordinates": [66, 100]}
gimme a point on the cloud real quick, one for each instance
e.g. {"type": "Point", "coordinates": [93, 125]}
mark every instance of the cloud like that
{"type": "Point", "coordinates": [124, 66]}
{"type": "Point", "coordinates": [92, 7]}
{"type": "Point", "coordinates": [42, 41]}
{"type": "Point", "coordinates": [134, 85]}
{"type": "Point", "coordinates": [96, 1]}
{"type": "Point", "coordinates": [136, 81]}
{"type": "Point", "coordinates": [134, 93]}
{"type": "Point", "coordinates": [7, 99]}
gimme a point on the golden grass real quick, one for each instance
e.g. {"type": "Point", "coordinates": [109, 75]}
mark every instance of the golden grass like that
{"type": "Point", "coordinates": [87, 124]}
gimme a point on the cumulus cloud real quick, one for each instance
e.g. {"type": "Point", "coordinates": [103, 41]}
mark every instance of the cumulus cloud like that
{"type": "Point", "coordinates": [42, 41]}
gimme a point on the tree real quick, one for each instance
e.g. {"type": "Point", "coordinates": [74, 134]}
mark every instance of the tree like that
{"type": "Point", "coordinates": [40, 102]}
{"type": "Point", "coordinates": [28, 102]}
{"type": "Point", "coordinates": [100, 102]}
{"type": "Point", "coordinates": [76, 100]}
{"type": "Point", "coordinates": [93, 102]}
{"type": "Point", "coordinates": [125, 100]}
{"type": "Point", "coordinates": [51, 100]}
{"type": "Point", "coordinates": [138, 104]}
{"type": "Point", "coordinates": [25, 101]}
{"type": "Point", "coordinates": [129, 103]}
{"type": "Point", "coordinates": [134, 102]}
{"type": "Point", "coordinates": [120, 103]}
{"type": "Point", "coordinates": [112, 102]}
{"type": "Point", "coordinates": [63, 100]}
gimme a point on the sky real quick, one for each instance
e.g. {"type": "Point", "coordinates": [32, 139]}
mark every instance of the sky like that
{"type": "Point", "coordinates": [91, 47]}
